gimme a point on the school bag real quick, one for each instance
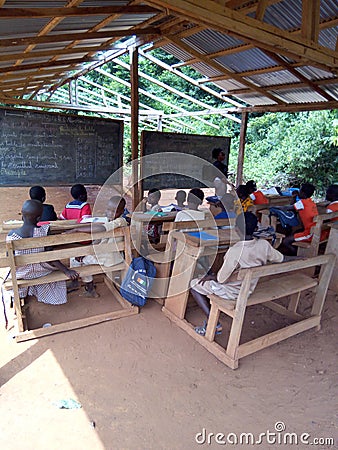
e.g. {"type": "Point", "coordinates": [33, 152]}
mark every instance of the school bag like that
{"type": "Point", "coordinates": [286, 218]}
{"type": "Point", "coordinates": [138, 281]}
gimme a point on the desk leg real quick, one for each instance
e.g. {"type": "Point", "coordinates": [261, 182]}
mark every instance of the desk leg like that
{"type": "Point", "coordinates": [183, 271]}
{"type": "Point", "coordinates": [332, 247]}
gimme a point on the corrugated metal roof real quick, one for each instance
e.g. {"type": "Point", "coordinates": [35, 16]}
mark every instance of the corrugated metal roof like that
{"type": "Point", "coordinates": [254, 67]}
{"type": "Point", "coordinates": [299, 95]}
{"type": "Point", "coordinates": [243, 61]}
{"type": "Point", "coordinates": [273, 78]}
{"type": "Point", "coordinates": [210, 41]}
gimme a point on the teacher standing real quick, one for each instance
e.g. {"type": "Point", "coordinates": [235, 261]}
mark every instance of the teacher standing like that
{"type": "Point", "coordinates": [219, 156]}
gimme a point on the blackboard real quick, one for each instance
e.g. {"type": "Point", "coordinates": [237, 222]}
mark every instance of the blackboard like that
{"type": "Point", "coordinates": [54, 149]}
{"type": "Point", "coordinates": [163, 170]}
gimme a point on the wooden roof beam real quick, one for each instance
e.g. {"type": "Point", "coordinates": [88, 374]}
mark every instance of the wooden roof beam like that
{"type": "Point", "coordinates": [51, 39]}
{"type": "Point", "coordinates": [310, 19]}
{"type": "Point", "coordinates": [220, 68]}
{"type": "Point", "coordinates": [27, 13]}
{"type": "Point", "coordinates": [251, 30]}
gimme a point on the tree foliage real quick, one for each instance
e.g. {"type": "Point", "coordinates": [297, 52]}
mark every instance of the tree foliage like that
{"type": "Point", "coordinates": [282, 149]}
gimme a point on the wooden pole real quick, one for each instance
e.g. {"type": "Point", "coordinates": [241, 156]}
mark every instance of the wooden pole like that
{"type": "Point", "coordinates": [134, 124]}
{"type": "Point", "coordinates": [240, 164]}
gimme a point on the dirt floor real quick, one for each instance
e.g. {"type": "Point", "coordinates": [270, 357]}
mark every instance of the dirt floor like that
{"type": "Point", "coordinates": [144, 384]}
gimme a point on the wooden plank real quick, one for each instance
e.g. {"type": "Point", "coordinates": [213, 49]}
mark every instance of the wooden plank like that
{"type": "Point", "coordinates": [283, 311]}
{"type": "Point", "coordinates": [277, 336]}
{"type": "Point", "coordinates": [240, 159]}
{"type": "Point", "coordinates": [60, 276]}
{"type": "Point", "coordinates": [14, 13]}
{"type": "Point", "coordinates": [212, 347]}
{"type": "Point", "coordinates": [134, 105]}
{"type": "Point", "coordinates": [324, 280]}
{"type": "Point", "coordinates": [123, 302]}
{"type": "Point", "coordinates": [212, 323]}
{"type": "Point", "coordinates": [17, 300]}
{"type": "Point", "coordinates": [280, 287]}
{"type": "Point", "coordinates": [332, 247]}
{"type": "Point", "coordinates": [310, 19]}
{"type": "Point", "coordinates": [75, 324]}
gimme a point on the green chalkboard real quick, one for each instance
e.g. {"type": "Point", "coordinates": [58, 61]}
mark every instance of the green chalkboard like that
{"type": "Point", "coordinates": [163, 170]}
{"type": "Point", "coordinates": [54, 149]}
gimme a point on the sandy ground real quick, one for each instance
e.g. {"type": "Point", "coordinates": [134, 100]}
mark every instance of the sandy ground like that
{"type": "Point", "coordinates": [144, 384]}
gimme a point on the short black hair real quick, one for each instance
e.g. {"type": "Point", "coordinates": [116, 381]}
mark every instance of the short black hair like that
{"type": "Point", "coordinates": [249, 220]}
{"type": "Point", "coordinates": [120, 201]}
{"type": "Point", "coordinates": [216, 152]}
{"type": "Point", "coordinates": [251, 185]}
{"type": "Point", "coordinates": [77, 190]}
{"type": "Point", "coordinates": [37, 193]}
{"type": "Point", "coordinates": [308, 189]}
{"type": "Point", "coordinates": [242, 191]}
{"type": "Point", "coordinates": [196, 196]}
{"type": "Point", "coordinates": [155, 191]}
{"type": "Point", "coordinates": [332, 193]}
{"type": "Point", "coordinates": [181, 194]}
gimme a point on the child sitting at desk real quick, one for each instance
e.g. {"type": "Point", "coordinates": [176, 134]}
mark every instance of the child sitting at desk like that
{"type": "Point", "coordinates": [54, 293]}
{"type": "Point", "coordinates": [246, 253]}
{"type": "Point", "coordinates": [114, 212]}
{"type": "Point", "coordinates": [256, 196]}
{"type": "Point", "coordinates": [332, 197]}
{"type": "Point", "coordinates": [154, 196]}
{"type": "Point", "coordinates": [307, 210]}
{"type": "Point", "coordinates": [48, 212]}
{"type": "Point", "coordinates": [180, 197]}
{"type": "Point", "coordinates": [79, 207]}
{"type": "Point", "coordinates": [244, 201]}
{"type": "Point", "coordinates": [195, 199]}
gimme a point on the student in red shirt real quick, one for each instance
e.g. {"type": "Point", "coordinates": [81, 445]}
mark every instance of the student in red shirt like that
{"type": "Point", "coordinates": [307, 210]}
{"type": "Point", "coordinates": [78, 207]}
{"type": "Point", "coordinates": [256, 196]}
{"type": "Point", "coordinates": [332, 197]}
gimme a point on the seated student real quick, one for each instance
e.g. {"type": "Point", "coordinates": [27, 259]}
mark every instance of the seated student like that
{"type": "Point", "coordinates": [54, 293]}
{"type": "Point", "coordinates": [246, 253]}
{"type": "Point", "coordinates": [154, 196]}
{"type": "Point", "coordinates": [48, 212]}
{"type": "Point", "coordinates": [307, 210]}
{"type": "Point", "coordinates": [244, 201]}
{"type": "Point", "coordinates": [114, 212]}
{"type": "Point", "coordinates": [332, 197]}
{"type": "Point", "coordinates": [256, 196]}
{"type": "Point", "coordinates": [180, 197]}
{"type": "Point", "coordinates": [195, 199]}
{"type": "Point", "coordinates": [79, 207]}
{"type": "Point", "coordinates": [223, 208]}
{"type": "Point", "coordinates": [153, 230]}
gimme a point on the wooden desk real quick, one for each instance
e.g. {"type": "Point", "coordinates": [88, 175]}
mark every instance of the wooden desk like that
{"type": "Point", "coordinates": [139, 220]}
{"type": "Point", "coordinates": [332, 247]}
{"type": "Point", "coordinates": [188, 250]}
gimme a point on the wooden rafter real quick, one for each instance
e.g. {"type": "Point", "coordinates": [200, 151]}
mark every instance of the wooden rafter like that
{"type": "Point", "coordinates": [251, 30]}
{"type": "Point", "coordinates": [310, 19]}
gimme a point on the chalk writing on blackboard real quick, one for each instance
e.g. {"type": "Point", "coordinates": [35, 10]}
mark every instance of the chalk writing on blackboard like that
{"type": "Point", "coordinates": [51, 149]}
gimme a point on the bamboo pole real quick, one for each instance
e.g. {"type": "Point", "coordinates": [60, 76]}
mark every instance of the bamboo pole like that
{"type": "Point", "coordinates": [240, 164]}
{"type": "Point", "coordinates": [134, 124]}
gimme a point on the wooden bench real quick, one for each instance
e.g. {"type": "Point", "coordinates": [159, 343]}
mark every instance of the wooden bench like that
{"type": "Point", "coordinates": [65, 246]}
{"type": "Point", "coordinates": [322, 221]}
{"type": "Point", "coordinates": [163, 259]}
{"type": "Point", "coordinates": [285, 280]}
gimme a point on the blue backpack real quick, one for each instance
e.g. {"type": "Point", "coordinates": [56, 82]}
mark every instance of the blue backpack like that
{"type": "Point", "coordinates": [286, 218]}
{"type": "Point", "coordinates": [138, 281]}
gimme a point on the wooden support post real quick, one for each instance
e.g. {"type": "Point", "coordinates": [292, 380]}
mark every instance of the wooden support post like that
{"type": "Point", "coordinates": [240, 162]}
{"type": "Point", "coordinates": [134, 124]}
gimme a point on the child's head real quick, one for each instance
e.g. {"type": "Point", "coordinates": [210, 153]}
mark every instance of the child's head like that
{"type": "Point", "coordinates": [37, 193]}
{"type": "Point", "coordinates": [218, 154]}
{"type": "Point", "coordinates": [154, 196]}
{"type": "Point", "coordinates": [31, 211]}
{"type": "Point", "coordinates": [246, 222]}
{"type": "Point", "coordinates": [251, 185]}
{"type": "Point", "coordinates": [79, 192]}
{"type": "Point", "coordinates": [115, 207]}
{"type": "Point", "coordinates": [306, 190]}
{"type": "Point", "coordinates": [195, 198]}
{"type": "Point", "coordinates": [242, 191]}
{"type": "Point", "coordinates": [180, 197]}
{"type": "Point", "coordinates": [332, 193]}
